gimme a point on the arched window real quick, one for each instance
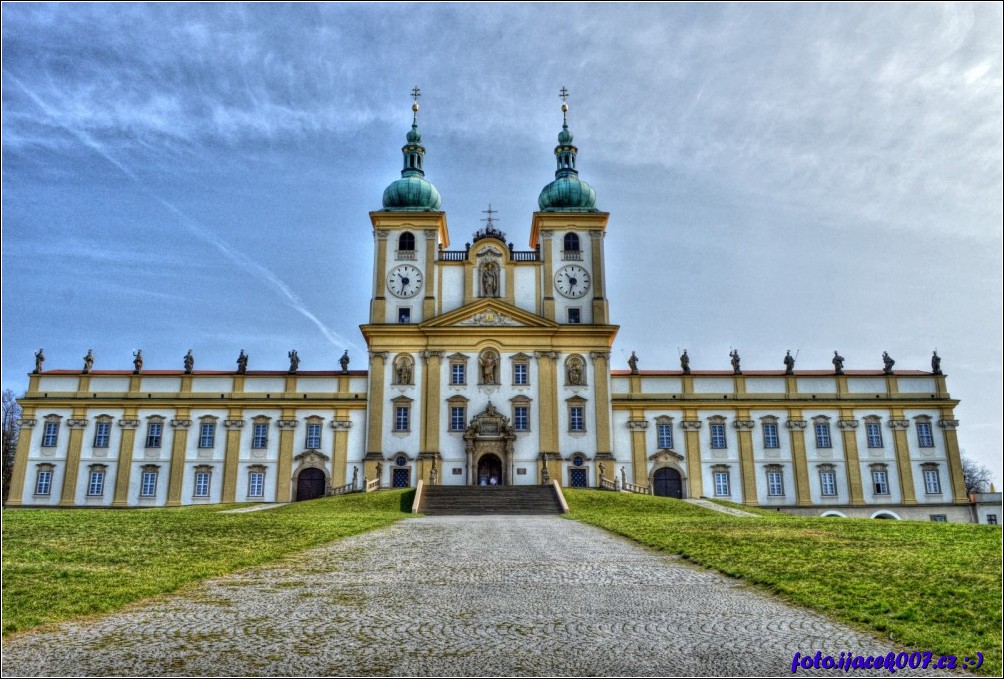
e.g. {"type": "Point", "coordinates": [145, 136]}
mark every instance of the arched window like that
{"type": "Point", "coordinates": [571, 242]}
{"type": "Point", "coordinates": [406, 241]}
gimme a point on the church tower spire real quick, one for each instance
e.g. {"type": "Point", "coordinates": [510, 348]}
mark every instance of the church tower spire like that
{"type": "Point", "coordinates": [567, 193]}
{"type": "Point", "coordinates": [412, 192]}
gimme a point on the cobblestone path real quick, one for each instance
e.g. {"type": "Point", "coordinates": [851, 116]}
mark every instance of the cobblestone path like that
{"type": "Point", "coordinates": [454, 596]}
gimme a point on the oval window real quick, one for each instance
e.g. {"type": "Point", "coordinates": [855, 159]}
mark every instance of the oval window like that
{"type": "Point", "coordinates": [577, 460]}
{"type": "Point", "coordinates": [401, 461]}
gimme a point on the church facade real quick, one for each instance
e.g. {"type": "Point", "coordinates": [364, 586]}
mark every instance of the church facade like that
{"type": "Point", "coordinates": [490, 365]}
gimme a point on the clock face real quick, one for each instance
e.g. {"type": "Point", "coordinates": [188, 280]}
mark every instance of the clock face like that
{"type": "Point", "coordinates": [572, 281]}
{"type": "Point", "coordinates": [405, 280]}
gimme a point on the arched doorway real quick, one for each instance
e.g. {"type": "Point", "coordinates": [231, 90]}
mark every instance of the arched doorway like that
{"type": "Point", "coordinates": [489, 469]}
{"type": "Point", "coordinates": [310, 484]}
{"type": "Point", "coordinates": [667, 483]}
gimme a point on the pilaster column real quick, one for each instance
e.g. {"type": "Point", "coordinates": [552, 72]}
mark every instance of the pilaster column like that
{"type": "Point", "coordinates": [601, 376]}
{"type": "Point", "coordinates": [548, 410]}
{"type": "Point", "coordinates": [796, 431]}
{"type": "Point", "coordinates": [547, 253]}
{"type": "Point", "coordinates": [692, 441]}
{"type": "Point", "coordinates": [123, 470]}
{"type": "Point", "coordinates": [284, 470]}
{"type": "Point", "coordinates": [904, 468]}
{"type": "Point", "coordinates": [181, 424]}
{"type": "Point", "coordinates": [374, 435]}
{"type": "Point", "coordinates": [340, 447]}
{"type": "Point", "coordinates": [429, 301]}
{"type": "Point", "coordinates": [600, 315]}
{"type": "Point", "coordinates": [847, 424]}
{"type": "Point", "coordinates": [430, 402]}
{"type": "Point", "coordinates": [378, 307]}
{"type": "Point", "coordinates": [76, 424]}
{"type": "Point", "coordinates": [231, 456]}
{"type": "Point", "coordinates": [26, 428]}
{"type": "Point", "coordinates": [744, 429]}
{"type": "Point", "coordinates": [639, 451]}
{"type": "Point", "coordinates": [948, 426]}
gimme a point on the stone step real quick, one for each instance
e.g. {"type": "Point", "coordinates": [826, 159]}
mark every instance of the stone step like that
{"type": "Point", "coordinates": [475, 500]}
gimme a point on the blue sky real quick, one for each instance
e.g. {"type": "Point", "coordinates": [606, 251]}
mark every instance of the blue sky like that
{"type": "Point", "coordinates": [806, 177]}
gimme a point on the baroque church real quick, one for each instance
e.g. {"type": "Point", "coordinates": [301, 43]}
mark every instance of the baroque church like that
{"type": "Point", "coordinates": [490, 365]}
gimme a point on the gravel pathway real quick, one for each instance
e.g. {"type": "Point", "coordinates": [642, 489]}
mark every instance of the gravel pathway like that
{"type": "Point", "coordinates": [454, 596]}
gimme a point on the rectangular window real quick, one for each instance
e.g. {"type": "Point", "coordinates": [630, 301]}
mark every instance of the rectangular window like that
{"type": "Point", "coordinates": [770, 439]}
{"type": "Point", "coordinates": [992, 519]}
{"type": "Point", "coordinates": [932, 482]}
{"type": "Point", "coordinates": [148, 485]}
{"type": "Point", "coordinates": [925, 439]}
{"type": "Point", "coordinates": [717, 435]}
{"type": "Point", "coordinates": [313, 435]}
{"type": "Point", "coordinates": [96, 483]}
{"type": "Point", "coordinates": [401, 418]}
{"type": "Point", "coordinates": [576, 418]}
{"type": "Point", "coordinates": [207, 434]}
{"type": "Point", "coordinates": [260, 439]}
{"type": "Point", "coordinates": [874, 433]}
{"type": "Point", "coordinates": [404, 315]}
{"type": "Point", "coordinates": [43, 484]}
{"type": "Point", "coordinates": [940, 518]}
{"type": "Point", "coordinates": [520, 373]}
{"type": "Point", "coordinates": [202, 484]}
{"type": "Point", "coordinates": [521, 418]}
{"type": "Point", "coordinates": [775, 483]}
{"type": "Point", "coordinates": [722, 483]}
{"type": "Point", "coordinates": [50, 434]}
{"type": "Point", "coordinates": [102, 434]}
{"type": "Point", "coordinates": [574, 316]}
{"type": "Point", "coordinates": [458, 418]}
{"type": "Point", "coordinates": [664, 432]}
{"type": "Point", "coordinates": [256, 484]}
{"type": "Point", "coordinates": [828, 483]}
{"type": "Point", "coordinates": [154, 432]}
{"type": "Point", "coordinates": [823, 435]}
{"type": "Point", "coordinates": [458, 373]}
{"type": "Point", "coordinates": [880, 479]}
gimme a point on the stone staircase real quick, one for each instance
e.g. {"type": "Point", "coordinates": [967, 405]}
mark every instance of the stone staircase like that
{"type": "Point", "coordinates": [488, 500]}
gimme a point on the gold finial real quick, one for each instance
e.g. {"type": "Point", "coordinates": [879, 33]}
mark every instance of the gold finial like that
{"type": "Point", "coordinates": [564, 104]}
{"type": "Point", "coordinates": [415, 94]}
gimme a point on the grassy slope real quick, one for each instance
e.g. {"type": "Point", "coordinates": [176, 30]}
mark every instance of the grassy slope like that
{"type": "Point", "coordinates": [61, 564]}
{"type": "Point", "coordinates": [929, 586]}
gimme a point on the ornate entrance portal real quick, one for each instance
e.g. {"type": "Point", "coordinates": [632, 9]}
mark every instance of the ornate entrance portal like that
{"type": "Point", "coordinates": [489, 445]}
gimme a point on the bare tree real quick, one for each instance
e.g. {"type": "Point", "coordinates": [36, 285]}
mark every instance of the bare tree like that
{"type": "Point", "coordinates": [11, 429]}
{"type": "Point", "coordinates": [977, 476]}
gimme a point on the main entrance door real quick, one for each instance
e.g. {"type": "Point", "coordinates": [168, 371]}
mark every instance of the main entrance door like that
{"type": "Point", "coordinates": [310, 484]}
{"type": "Point", "coordinates": [668, 483]}
{"type": "Point", "coordinates": [489, 470]}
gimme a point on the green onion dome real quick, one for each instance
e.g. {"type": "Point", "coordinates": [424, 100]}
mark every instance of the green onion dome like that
{"type": "Point", "coordinates": [567, 193]}
{"type": "Point", "coordinates": [412, 192]}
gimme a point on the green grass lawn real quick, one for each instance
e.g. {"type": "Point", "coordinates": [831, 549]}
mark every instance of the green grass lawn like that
{"type": "Point", "coordinates": [930, 586]}
{"type": "Point", "coordinates": [58, 564]}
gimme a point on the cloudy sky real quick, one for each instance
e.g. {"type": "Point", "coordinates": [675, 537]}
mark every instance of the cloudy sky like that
{"type": "Point", "coordinates": [801, 177]}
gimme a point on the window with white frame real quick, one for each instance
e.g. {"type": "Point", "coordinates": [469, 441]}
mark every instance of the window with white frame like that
{"type": "Point", "coordinates": [932, 480]}
{"type": "Point", "coordinates": [770, 438]}
{"type": "Point", "coordinates": [822, 429]}
{"type": "Point", "coordinates": [721, 479]}
{"type": "Point", "coordinates": [827, 481]}
{"type": "Point", "coordinates": [664, 434]}
{"type": "Point", "coordinates": [458, 372]}
{"type": "Point", "coordinates": [313, 435]}
{"type": "Point", "coordinates": [102, 433]}
{"type": "Point", "coordinates": [203, 475]}
{"type": "Point", "coordinates": [50, 433]}
{"type": "Point", "coordinates": [259, 437]}
{"type": "Point", "coordinates": [717, 431]}
{"type": "Point", "coordinates": [520, 373]}
{"type": "Point", "coordinates": [775, 481]}
{"type": "Point", "coordinates": [402, 417]}
{"type": "Point", "coordinates": [96, 480]}
{"type": "Point", "coordinates": [154, 433]}
{"type": "Point", "coordinates": [207, 434]}
{"type": "Point", "coordinates": [256, 482]}
{"type": "Point", "coordinates": [880, 479]}
{"type": "Point", "coordinates": [458, 417]}
{"type": "Point", "coordinates": [925, 435]}
{"type": "Point", "coordinates": [43, 482]}
{"type": "Point", "coordinates": [576, 415]}
{"type": "Point", "coordinates": [873, 432]}
{"type": "Point", "coordinates": [148, 482]}
{"type": "Point", "coordinates": [521, 414]}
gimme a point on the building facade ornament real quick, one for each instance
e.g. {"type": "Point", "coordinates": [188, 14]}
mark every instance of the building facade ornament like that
{"type": "Point", "coordinates": [637, 424]}
{"type": "Point", "coordinates": [899, 425]}
{"type": "Point", "coordinates": [744, 425]}
{"type": "Point", "coordinates": [845, 425]}
{"type": "Point", "coordinates": [795, 424]}
{"type": "Point", "coordinates": [287, 424]}
{"type": "Point", "coordinates": [948, 424]}
{"type": "Point", "coordinates": [181, 424]}
{"type": "Point", "coordinates": [77, 423]}
{"type": "Point", "coordinates": [233, 424]}
{"type": "Point", "coordinates": [129, 424]}
{"type": "Point", "coordinates": [691, 425]}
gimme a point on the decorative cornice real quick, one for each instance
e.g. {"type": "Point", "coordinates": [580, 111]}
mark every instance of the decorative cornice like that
{"type": "Point", "coordinates": [605, 355]}
{"type": "Point", "coordinates": [430, 234]}
{"type": "Point", "coordinates": [847, 424]}
{"type": "Point", "coordinates": [233, 424]}
{"type": "Point", "coordinates": [744, 425]}
{"type": "Point", "coordinates": [432, 354]}
{"type": "Point", "coordinates": [637, 424]}
{"type": "Point", "coordinates": [795, 424]}
{"type": "Point", "coordinates": [77, 424]}
{"type": "Point", "coordinates": [378, 354]}
{"type": "Point", "coordinates": [382, 234]}
{"type": "Point", "coordinates": [899, 425]}
{"type": "Point", "coordinates": [27, 422]}
{"type": "Point", "coordinates": [553, 355]}
{"type": "Point", "coordinates": [948, 424]}
{"type": "Point", "coordinates": [181, 424]}
{"type": "Point", "coordinates": [691, 425]}
{"type": "Point", "coordinates": [287, 424]}
{"type": "Point", "coordinates": [129, 424]}
{"type": "Point", "coordinates": [341, 424]}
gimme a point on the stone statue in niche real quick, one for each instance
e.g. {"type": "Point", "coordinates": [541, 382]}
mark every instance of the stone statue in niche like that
{"type": "Point", "coordinates": [403, 371]}
{"type": "Point", "coordinates": [838, 363]}
{"type": "Point", "coordinates": [242, 363]}
{"type": "Point", "coordinates": [88, 361]}
{"type": "Point", "coordinates": [294, 361]}
{"type": "Point", "coordinates": [39, 360]}
{"type": "Point", "coordinates": [344, 362]}
{"type": "Point", "coordinates": [887, 363]}
{"type": "Point", "coordinates": [137, 362]}
{"type": "Point", "coordinates": [685, 362]}
{"type": "Point", "coordinates": [189, 362]}
{"type": "Point", "coordinates": [488, 365]}
{"type": "Point", "coordinates": [490, 279]}
{"type": "Point", "coordinates": [575, 372]}
{"type": "Point", "coordinates": [789, 363]}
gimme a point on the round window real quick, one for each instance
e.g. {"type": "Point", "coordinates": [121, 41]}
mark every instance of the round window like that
{"type": "Point", "coordinates": [577, 460]}
{"type": "Point", "coordinates": [401, 461]}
